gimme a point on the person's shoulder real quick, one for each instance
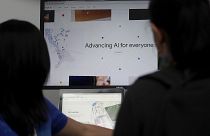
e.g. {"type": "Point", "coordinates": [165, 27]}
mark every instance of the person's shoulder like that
{"type": "Point", "coordinates": [58, 119]}
{"type": "Point", "coordinates": [149, 81]}
{"type": "Point", "coordinates": [51, 107]}
{"type": "Point", "coordinates": [5, 129]}
{"type": "Point", "coordinates": [155, 83]}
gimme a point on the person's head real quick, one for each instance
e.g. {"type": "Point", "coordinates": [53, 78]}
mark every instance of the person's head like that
{"type": "Point", "coordinates": [25, 64]}
{"type": "Point", "coordinates": [182, 31]}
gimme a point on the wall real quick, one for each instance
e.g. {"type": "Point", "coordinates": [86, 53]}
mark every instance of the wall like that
{"type": "Point", "coordinates": [20, 9]}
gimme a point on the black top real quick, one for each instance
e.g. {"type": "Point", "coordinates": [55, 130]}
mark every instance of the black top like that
{"type": "Point", "coordinates": [165, 103]}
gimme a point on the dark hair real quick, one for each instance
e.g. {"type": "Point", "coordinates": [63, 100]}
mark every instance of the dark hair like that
{"type": "Point", "coordinates": [187, 26]}
{"type": "Point", "coordinates": [24, 67]}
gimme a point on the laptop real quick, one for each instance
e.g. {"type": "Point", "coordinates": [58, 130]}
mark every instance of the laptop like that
{"type": "Point", "coordinates": [92, 106]}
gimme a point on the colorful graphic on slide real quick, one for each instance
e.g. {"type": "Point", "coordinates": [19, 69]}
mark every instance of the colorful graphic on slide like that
{"type": "Point", "coordinates": [91, 15]}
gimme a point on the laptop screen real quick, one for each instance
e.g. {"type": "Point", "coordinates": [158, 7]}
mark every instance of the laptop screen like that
{"type": "Point", "coordinates": [97, 108]}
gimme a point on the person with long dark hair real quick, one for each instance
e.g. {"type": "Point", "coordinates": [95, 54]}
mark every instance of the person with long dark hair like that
{"type": "Point", "coordinates": [24, 67]}
{"type": "Point", "coordinates": [173, 101]}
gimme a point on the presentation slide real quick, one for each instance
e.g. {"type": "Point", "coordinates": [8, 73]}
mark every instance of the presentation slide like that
{"type": "Point", "coordinates": [92, 108]}
{"type": "Point", "coordinates": [104, 39]}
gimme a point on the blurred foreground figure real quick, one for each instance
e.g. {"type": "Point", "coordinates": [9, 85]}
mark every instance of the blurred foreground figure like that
{"type": "Point", "coordinates": [174, 101]}
{"type": "Point", "coordinates": [24, 68]}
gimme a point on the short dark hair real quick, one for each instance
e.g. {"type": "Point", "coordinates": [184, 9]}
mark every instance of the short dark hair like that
{"type": "Point", "coordinates": [187, 25]}
{"type": "Point", "coordinates": [25, 65]}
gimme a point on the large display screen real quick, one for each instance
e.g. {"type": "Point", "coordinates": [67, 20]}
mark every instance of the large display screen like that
{"type": "Point", "coordinates": [110, 41]}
